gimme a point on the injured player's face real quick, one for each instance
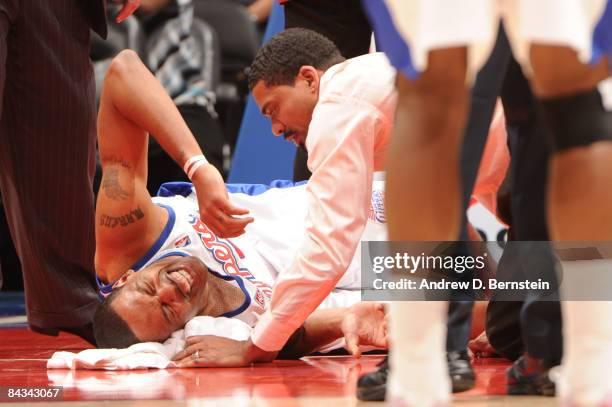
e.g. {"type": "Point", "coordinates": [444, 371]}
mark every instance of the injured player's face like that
{"type": "Point", "coordinates": [288, 107]}
{"type": "Point", "coordinates": [161, 298]}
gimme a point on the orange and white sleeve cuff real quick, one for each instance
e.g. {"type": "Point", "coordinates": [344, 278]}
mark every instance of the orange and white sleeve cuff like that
{"type": "Point", "coordinates": [271, 334]}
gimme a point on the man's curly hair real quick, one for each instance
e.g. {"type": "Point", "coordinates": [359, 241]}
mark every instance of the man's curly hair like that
{"type": "Point", "coordinates": [110, 330]}
{"type": "Point", "coordinates": [279, 61]}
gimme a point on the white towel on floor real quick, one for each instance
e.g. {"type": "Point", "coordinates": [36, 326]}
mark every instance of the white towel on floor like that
{"type": "Point", "coordinates": [150, 354]}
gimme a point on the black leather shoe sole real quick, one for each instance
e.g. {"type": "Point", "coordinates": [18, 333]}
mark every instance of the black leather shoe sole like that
{"type": "Point", "coordinates": [463, 383]}
{"type": "Point", "coordinates": [460, 371]}
{"type": "Point", "coordinates": [529, 376]}
{"type": "Point", "coordinates": [374, 393]}
{"type": "Point", "coordinates": [529, 388]}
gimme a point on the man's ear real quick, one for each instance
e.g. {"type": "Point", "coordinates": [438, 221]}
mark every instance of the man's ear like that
{"type": "Point", "coordinates": [310, 75]}
{"type": "Point", "coordinates": [124, 279]}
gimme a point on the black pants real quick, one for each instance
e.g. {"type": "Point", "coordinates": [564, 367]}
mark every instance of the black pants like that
{"type": "Point", "coordinates": [207, 132]}
{"type": "Point", "coordinates": [342, 21]}
{"type": "Point", "coordinates": [531, 325]}
{"type": "Point", "coordinates": [483, 97]}
{"type": "Point", "coordinates": [47, 156]}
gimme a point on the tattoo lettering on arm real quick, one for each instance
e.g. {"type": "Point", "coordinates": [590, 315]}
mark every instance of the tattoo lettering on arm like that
{"type": "Point", "coordinates": [123, 221]}
{"type": "Point", "coordinates": [110, 185]}
{"type": "Point", "coordinates": [113, 159]}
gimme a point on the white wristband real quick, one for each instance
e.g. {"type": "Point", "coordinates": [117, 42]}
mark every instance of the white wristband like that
{"type": "Point", "coordinates": [192, 160]}
{"type": "Point", "coordinates": [195, 167]}
{"type": "Point", "coordinates": [193, 164]}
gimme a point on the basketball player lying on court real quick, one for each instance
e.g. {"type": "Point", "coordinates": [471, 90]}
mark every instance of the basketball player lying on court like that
{"type": "Point", "coordinates": [159, 265]}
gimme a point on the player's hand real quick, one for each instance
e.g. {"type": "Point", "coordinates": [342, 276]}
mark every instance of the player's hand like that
{"type": "Point", "coordinates": [365, 324]}
{"type": "Point", "coordinates": [129, 6]}
{"type": "Point", "coordinates": [216, 210]}
{"type": "Point", "coordinates": [216, 351]}
{"type": "Point", "coordinates": [481, 347]}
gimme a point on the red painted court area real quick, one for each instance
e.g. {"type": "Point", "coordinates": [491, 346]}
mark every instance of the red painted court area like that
{"type": "Point", "coordinates": [328, 380]}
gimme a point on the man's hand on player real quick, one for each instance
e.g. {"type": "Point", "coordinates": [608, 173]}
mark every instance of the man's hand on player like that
{"type": "Point", "coordinates": [216, 210]}
{"type": "Point", "coordinates": [129, 7]}
{"type": "Point", "coordinates": [365, 324]}
{"type": "Point", "coordinates": [216, 351]}
{"type": "Point", "coordinates": [481, 347]}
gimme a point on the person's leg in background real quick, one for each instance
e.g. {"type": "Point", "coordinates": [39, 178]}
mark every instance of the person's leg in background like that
{"type": "Point", "coordinates": [8, 13]}
{"type": "Point", "coordinates": [579, 202]}
{"type": "Point", "coordinates": [579, 198]}
{"type": "Point", "coordinates": [345, 24]}
{"type": "Point", "coordinates": [47, 141]}
{"type": "Point", "coordinates": [540, 320]}
{"type": "Point", "coordinates": [484, 93]}
{"type": "Point", "coordinates": [207, 132]}
{"type": "Point", "coordinates": [423, 161]}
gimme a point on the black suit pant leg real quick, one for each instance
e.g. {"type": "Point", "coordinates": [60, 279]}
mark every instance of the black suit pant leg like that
{"type": "Point", "coordinates": [47, 156]}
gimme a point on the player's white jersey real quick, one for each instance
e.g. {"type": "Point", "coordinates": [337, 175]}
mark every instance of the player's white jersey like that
{"type": "Point", "coordinates": [186, 235]}
{"type": "Point", "coordinates": [279, 226]}
{"type": "Point", "coordinates": [253, 261]}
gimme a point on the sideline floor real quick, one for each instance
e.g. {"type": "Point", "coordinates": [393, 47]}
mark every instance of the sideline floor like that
{"type": "Point", "coordinates": [313, 381]}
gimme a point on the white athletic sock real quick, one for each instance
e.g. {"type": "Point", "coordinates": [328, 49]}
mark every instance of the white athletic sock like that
{"type": "Point", "coordinates": [419, 373]}
{"type": "Point", "coordinates": [587, 332]}
{"type": "Point", "coordinates": [587, 360]}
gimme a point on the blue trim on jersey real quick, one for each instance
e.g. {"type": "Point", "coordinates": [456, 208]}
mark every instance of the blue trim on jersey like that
{"type": "Point", "coordinates": [173, 253]}
{"type": "Point", "coordinates": [106, 289]}
{"type": "Point", "coordinates": [247, 296]}
{"type": "Point", "coordinates": [169, 189]}
{"type": "Point", "coordinates": [160, 240]}
{"type": "Point", "coordinates": [602, 36]}
{"type": "Point", "coordinates": [388, 38]}
{"type": "Point", "coordinates": [257, 189]}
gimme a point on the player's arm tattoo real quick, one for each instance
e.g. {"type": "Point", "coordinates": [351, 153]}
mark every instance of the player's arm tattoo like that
{"type": "Point", "coordinates": [111, 159]}
{"type": "Point", "coordinates": [110, 185]}
{"type": "Point", "coordinates": [123, 220]}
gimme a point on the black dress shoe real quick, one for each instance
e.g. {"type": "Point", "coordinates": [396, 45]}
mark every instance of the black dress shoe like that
{"type": "Point", "coordinates": [530, 376]}
{"type": "Point", "coordinates": [373, 386]}
{"type": "Point", "coordinates": [460, 370]}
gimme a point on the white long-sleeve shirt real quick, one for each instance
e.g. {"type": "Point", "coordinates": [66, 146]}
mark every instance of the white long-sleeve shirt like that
{"type": "Point", "coordinates": [347, 138]}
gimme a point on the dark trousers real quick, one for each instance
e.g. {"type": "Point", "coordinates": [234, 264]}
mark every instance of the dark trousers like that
{"type": "Point", "coordinates": [342, 21]}
{"type": "Point", "coordinates": [47, 156]}
{"type": "Point", "coordinates": [207, 132]}
{"type": "Point", "coordinates": [484, 94]}
{"type": "Point", "coordinates": [531, 325]}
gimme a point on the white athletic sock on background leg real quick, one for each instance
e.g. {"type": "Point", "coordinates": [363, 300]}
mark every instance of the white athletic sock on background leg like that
{"type": "Point", "coordinates": [587, 361]}
{"type": "Point", "coordinates": [418, 369]}
{"type": "Point", "coordinates": [587, 329]}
